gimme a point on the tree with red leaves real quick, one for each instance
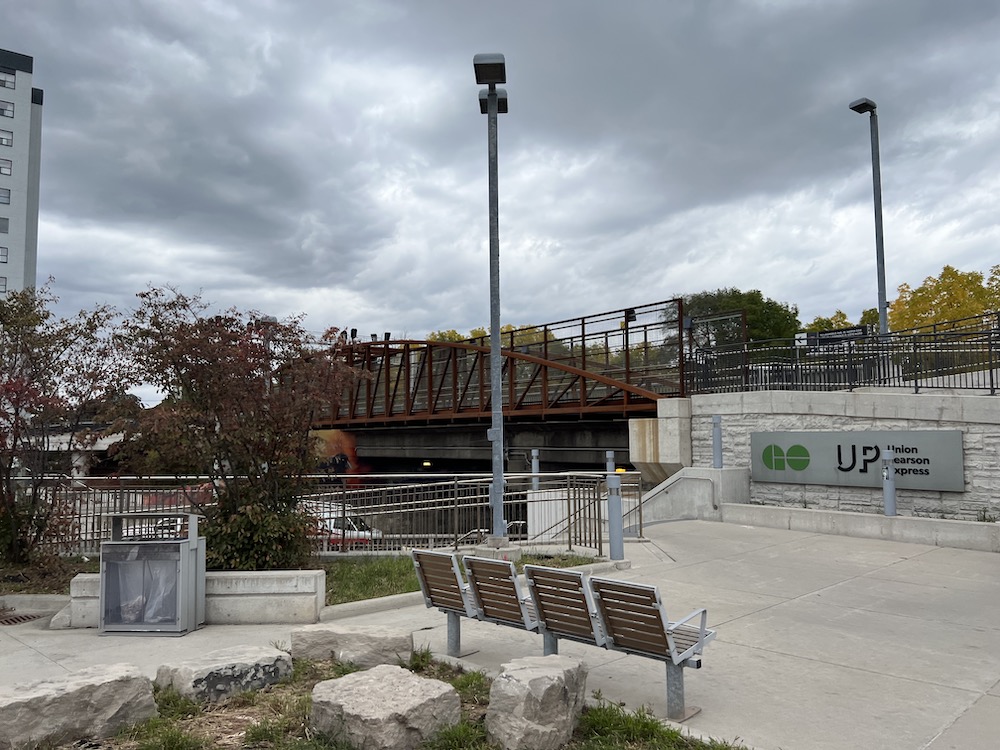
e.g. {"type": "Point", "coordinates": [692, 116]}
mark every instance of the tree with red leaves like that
{"type": "Point", "coordinates": [242, 393]}
{"type": "Point", "coordinates": [57, 378]}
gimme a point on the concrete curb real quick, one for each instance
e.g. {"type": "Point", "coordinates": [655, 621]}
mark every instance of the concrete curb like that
{"type": "Point", "coordinates": [34, 603]}
{"type": "Point", "coordinates": [370, 606]}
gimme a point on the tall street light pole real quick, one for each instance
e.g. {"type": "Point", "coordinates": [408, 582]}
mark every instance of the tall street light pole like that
{"type": "Point", "coordinates": [491, 70]}
{"type": "Point", "coordinates": [861, 106]}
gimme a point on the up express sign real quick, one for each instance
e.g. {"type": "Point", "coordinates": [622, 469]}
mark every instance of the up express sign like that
{"type": "Point", "coordinates": [924, 460]}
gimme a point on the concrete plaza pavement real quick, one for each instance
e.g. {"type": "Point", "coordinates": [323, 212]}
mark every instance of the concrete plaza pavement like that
{"type": "Point", "coordinates": [823, 641]}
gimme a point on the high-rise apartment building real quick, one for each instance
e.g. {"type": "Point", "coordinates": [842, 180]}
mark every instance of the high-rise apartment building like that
{"type": "Point", "coordinates": [20, 163]}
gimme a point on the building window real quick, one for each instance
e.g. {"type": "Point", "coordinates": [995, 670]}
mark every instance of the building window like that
{"type": "Point", "coordinates": [6, 108]}
{"type": "Point", "coordinates": [4, 225]}
{"type": "Point", "coordinates": [3, 284]}
{"type": "Point", "coordinates": [3, 254]}
{"type": "Point", "coordinates": [6, 138]}
{"type": "Point", "coordinates": [5, 166]}
{"type": "Point", "coordinates": [5, 196]}
{"type": "Point", "coordinates": [7, 78]}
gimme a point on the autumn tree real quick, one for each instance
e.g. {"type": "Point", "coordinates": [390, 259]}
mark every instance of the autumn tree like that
{"type": "Point", "coordinates": [838, 320]}
{"type": "Point", "coordinates": [243, 394]}
{"type": "Point", "coordinates": [950, 295]}
{"type": "Point", "coordinates": [720, 313]}
{"type": "Point", "coordinates": [450, 335]}
{"type": "Point", "coordinates": [57, 376]}
{"type": "Point", "coordinates": [869, 317]}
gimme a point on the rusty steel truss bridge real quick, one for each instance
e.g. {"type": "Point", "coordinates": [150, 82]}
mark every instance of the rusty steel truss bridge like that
{"type": "Point", "coordinates": [614, 364]}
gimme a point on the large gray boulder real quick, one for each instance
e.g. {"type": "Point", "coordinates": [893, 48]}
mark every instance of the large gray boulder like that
{"type": "Point", "coordinates": [89, 704]}
{"type": "Point", "coordinates": [366, 646]}
{"type": "Point", "coordinates": [384, 708]}
{"type": "Point", "coordinates": [222, 674]}
{"type": "Point", "coordinates": [535, 702]}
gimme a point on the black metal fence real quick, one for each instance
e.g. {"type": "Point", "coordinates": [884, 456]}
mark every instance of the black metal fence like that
{"type": "Point", "coordinates": [956, 359]}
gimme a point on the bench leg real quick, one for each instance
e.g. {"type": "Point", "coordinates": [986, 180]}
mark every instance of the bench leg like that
{"type": "Point", "coordinates": [454, 634]}
{"type": "Point", "coordinates": [676, 710]}
{"type": "Point", "coordinates": [550, 644]}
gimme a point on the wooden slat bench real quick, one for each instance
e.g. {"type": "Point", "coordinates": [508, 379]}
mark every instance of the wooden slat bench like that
{"type": "Point", "coordinates": [604, 612]}
{"type": "Point", "coordinates": [564, 606]}
{"type": "Point", "coordinates": [496, 593]}
{"type": "Point", "coordinates": [442, 585]}
{"type": "Point", "coordinates": [635, 621]}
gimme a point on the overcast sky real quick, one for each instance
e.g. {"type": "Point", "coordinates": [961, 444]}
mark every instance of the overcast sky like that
{"type": "Point", "coordinates": [329, 158]}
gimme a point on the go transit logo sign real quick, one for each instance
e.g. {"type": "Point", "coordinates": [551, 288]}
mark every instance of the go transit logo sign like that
{"type": "Point", "coordinates": [795, 458]}
{"type": "Point", "coordinates": [924, 460]}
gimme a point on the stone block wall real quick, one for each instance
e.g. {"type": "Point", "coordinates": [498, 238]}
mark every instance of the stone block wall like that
{"type": "Point", "coordinates": [977, 417]}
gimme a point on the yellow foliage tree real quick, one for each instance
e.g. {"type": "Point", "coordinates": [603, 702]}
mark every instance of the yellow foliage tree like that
{"type": "Point", "coordinates": [951, 295]}
{"type": "Point", "coordinates": [450, 335]}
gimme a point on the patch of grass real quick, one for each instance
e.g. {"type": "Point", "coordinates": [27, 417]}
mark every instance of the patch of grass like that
{"type": "Point", "coordinates": [311, 671]}
{"type": "Point", "coordinates": [171, 738]}
{"type": "Point", "coordinates": [315, 743]}
{"type": "Point", "coordinates": [420, 660]}
{"type": "Point", "coordinates": [48, 574]}
{"type": "Point", "coordinates": [608, 726]}
{"type": "Point", "coordinates": [173, 705]}
{"type": "Point", "coordinates": [639, 728]}
{"type": "Point", "coordinates": [293, 706]}
{"type": "Point", "coordinates": [473, 687]}
{"type": "Point", "coordinates": [266, 732]}
{"type": "Point", "coordinates": [360, 578]}
{"type": "Point", "coordinates": [244, 699]}
{"type": "Point", "coordinates": [561, 560]}
{"type": "Point", "coordinates": [462, 736]}
{"type": "Point", "coordinates": [145, 730]}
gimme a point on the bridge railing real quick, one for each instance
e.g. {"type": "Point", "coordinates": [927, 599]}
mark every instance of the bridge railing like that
{"type": "Point", "coordinates": [963, 359]}
{"type": "Point", "coordinates": [383, 513]}
{"type": "Point", "coordinates": [640, 345]}
{"type": "Point", "coordinates": [620, 360]}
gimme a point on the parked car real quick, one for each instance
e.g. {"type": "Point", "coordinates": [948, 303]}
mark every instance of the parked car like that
{"type": "Point", "coordinates": [352, 529]}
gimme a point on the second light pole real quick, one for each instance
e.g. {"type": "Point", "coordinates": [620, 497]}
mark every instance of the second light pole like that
{"type": "Point", "coordinates": [861, 106]}
{"type": "Point", "coordinates": [491, 70]}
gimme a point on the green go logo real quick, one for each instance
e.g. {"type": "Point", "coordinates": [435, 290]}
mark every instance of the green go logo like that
{"type": "Point", "coordinates": [795, 458]}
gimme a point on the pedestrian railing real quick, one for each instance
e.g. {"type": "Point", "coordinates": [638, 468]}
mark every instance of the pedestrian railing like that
{"type": "Point", "coordinates": [367, 513]}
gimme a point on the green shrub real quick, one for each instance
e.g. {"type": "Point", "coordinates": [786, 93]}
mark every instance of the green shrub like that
{"type": "Point", "coordinates": [257, 537]}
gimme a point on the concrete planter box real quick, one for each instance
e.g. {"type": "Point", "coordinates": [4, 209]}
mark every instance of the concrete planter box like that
{"type": "Point", "coordinates": [231, 598]}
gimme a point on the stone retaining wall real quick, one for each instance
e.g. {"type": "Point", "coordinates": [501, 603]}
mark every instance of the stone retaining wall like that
{"type": "Point", "coordinates": [977, 417]}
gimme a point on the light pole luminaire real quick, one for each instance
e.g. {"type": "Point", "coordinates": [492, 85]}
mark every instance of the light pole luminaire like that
{"type": "Point", "coordinates": [491, 70]}
{"type": "Point", "coordinates": [861, 106]}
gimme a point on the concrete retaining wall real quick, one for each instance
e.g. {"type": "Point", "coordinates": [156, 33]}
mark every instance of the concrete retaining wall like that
{"type": "Point", "coordinates": [231, 598]}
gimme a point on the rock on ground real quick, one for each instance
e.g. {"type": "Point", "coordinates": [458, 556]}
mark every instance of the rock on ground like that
{"type": "Point", "coordinates": [222, 674]}
{"type": "Point", "coordinates": [91, 703]}
{"type": "Point", "coordinates": [365, 647]}
{"type": "Point", "coordinates": [535, 702]}
{"type": "Point", "coordinates": [384, 708]}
